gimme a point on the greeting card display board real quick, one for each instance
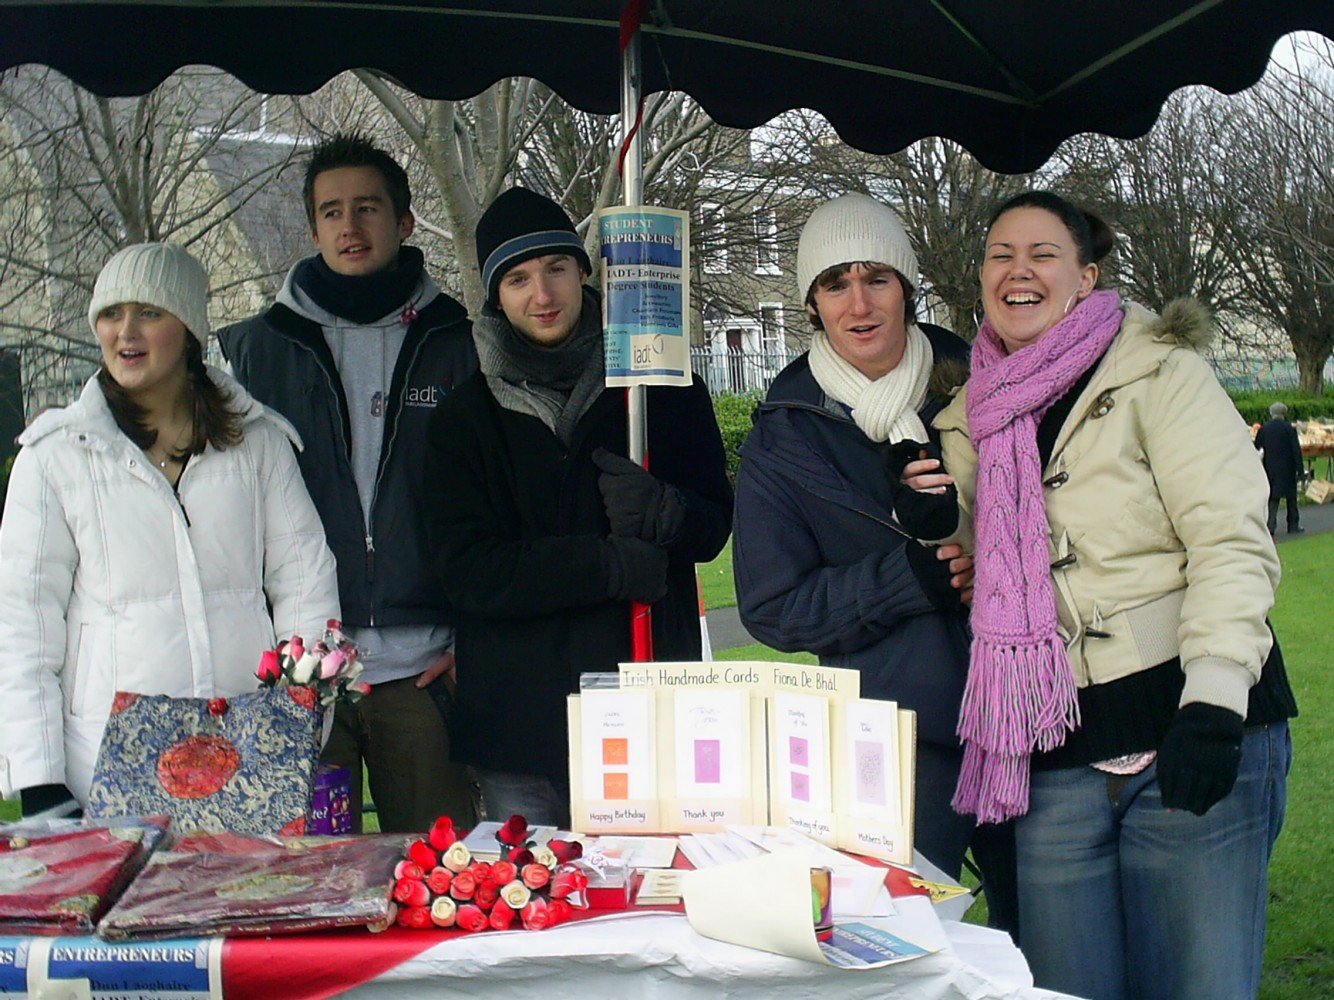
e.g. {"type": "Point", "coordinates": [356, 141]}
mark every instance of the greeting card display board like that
{"type": "Point", "coordinates": [696, 747]}
{"type": "Point", "coordinates": [874, 746]}
{"type": "Point", "coordinates": [613, 762]}
{"type": "Point", "coordinates": [801, 780]}
{"type": "Point", "coordinates": [710, 758]}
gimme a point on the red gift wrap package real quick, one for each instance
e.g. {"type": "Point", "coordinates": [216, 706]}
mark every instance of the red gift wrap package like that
{"type": "Point", "coordinates": [230, 883]}
{"type": "Point", "coordinates": [61, 883]}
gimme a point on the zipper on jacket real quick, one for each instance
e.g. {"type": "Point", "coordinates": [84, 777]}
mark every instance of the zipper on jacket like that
{"type": "Point", "coordinates": [393, 433]}
{"type": "Point", "coordinates": [379, 474]}
{"type": "Point", "coordinates": [184, 513]}
{"type": "Point", "coordinates": [347, 456]}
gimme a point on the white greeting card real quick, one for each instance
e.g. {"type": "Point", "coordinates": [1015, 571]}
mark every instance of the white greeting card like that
{"type": "Point", "coordinates": [712, 744]}
{"type": "Point", "coordinates": [711, 758]}
{"type": "Point", "coordinates": [874, 765]}
{"type": "Point", "coordinates": [613, 761]}
{"type": "Point", "coordinates": [800, 778]}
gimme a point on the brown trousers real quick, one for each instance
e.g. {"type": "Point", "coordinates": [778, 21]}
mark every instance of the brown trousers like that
{"type": "Point", "coordinates": [398, 734]}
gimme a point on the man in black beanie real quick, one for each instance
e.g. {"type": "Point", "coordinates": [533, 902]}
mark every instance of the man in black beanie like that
{"type": "Point", "coordinates": [357, 352]}
{"type": "Point", "coordinates": [543, 531]}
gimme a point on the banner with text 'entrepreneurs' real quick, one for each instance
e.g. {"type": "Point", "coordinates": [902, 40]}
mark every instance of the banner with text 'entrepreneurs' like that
{"type": "Point", "coordinates": [645, 295]}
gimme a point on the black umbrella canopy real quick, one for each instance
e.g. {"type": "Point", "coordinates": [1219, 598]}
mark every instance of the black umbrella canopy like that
{"type": "Point", "coordinates": [1007, 80]}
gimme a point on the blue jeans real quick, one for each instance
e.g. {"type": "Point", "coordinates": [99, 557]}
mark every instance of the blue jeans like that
{"type": "Point", "coordinates": [535, 797]}
{"type": "Point", "coordinates": [1120, 898]}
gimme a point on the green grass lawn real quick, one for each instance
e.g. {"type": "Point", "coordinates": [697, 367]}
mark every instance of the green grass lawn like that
{"type": "Point", "coordinates": [715, 580]}
{"type": "Point", "coordinates": [1299, 962]}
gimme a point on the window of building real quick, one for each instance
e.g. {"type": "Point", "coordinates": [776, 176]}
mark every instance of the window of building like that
{"type": "Point", "coordinates": [713, 239]}
{"type": "Point", "coordinates": [766, 242]}
{"type": "Point", "coordinates": [771, 327]}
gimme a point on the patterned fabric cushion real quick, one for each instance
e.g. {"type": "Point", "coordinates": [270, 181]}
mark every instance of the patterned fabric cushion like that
{"type": "Point", "coordinates": [245, 763]}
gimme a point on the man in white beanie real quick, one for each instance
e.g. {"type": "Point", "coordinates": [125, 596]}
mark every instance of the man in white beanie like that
{"type": "Point", "coordinates": [823, 545]}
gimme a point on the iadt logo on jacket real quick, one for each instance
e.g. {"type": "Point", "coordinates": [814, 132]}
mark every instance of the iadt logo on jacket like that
{"type": "Point", "coordinates": [425, 396]}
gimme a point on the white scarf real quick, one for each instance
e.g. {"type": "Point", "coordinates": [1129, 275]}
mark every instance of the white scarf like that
{"type": "Point", "coordinates": [886, 408]}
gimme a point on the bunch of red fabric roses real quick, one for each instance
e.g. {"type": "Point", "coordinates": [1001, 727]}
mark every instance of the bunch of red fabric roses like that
{"type": "Point", "coordinates": [440, 884]}
{"type": "Point", "coordinates": [329, 669]}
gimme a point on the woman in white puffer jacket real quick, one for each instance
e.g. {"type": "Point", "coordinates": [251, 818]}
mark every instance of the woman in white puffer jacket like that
{"type": "Point", "coordinates": [157, 535]}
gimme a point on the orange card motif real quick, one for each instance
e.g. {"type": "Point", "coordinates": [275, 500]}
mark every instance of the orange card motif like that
{"type": "Point", "coordinates": [615, 785]}
{"type": "Point", "coordinates": [616, 751]}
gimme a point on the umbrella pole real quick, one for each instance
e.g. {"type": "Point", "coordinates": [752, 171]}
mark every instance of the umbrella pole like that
{"type": "Point", "coordinates": [632, 184]}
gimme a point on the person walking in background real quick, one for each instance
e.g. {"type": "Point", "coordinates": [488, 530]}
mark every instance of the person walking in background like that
{"type": "Point", "coordinates": [358, 351]}
{"type": "Point", "coordinates": [542, 530]}
{"type": "Point", "coordinates": [157, 536]}
{"type": "Point", "coordinates": [1126, 700]}
{"type": "Point", "coordinates": [1282, 456]}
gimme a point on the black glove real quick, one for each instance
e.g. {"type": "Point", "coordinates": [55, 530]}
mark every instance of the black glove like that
{"type": "Point", "coordinates": [40, 798]}
{"type": "Point", "coordinates": [638, 504]}
{"type": "Point", "coordinates": [636, 570]}
{"type": "Point", "coordinates": [1199, 756]}
{"type": "Point", "coordinates": [922, 515]}
{"type": "Point", "coordinates": [934, 575]}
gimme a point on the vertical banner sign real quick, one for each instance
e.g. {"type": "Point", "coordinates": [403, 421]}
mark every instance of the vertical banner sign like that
{"type": "Point", "coordinates": [645, 295]}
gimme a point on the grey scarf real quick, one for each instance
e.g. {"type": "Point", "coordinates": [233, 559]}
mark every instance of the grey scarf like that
{"type": "Point", "coordinates": [556, 385]}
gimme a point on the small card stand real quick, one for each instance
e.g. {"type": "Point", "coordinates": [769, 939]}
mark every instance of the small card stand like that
{"type": "Point", "coordinates": [800, 766]}
{"type": "Point", "coordinates": [613, 773]}
{"type": "Point", "coordinates": [874, 778]}
{"type": "Point", "coordinates": [711, 758]}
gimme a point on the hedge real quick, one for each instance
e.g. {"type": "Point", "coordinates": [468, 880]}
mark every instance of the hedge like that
{"type": "Point", "coordinates": [1253, 404]}
{"type": "Point", "coordinates": [734, 420]}
{"type": "Point", "coordinates": [734, 413]}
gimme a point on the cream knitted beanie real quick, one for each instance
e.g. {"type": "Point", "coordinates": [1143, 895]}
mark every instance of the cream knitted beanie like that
{"type": "Point", "coordinates": [157, 274]}
{"type": "Point", "coordinates": [853, 228]}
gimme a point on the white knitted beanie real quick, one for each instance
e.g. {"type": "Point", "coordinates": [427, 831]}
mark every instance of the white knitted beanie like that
{"type": "Point", "coordinates": [853, 228]}
{"type": "Point", "coordinates": [157, 274]}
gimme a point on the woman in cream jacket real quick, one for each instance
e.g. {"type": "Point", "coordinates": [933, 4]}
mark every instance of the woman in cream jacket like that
{"type": "Point", "coordinates": [162, 565]}
{"type": "Point", "coordinates": [1125, 700]}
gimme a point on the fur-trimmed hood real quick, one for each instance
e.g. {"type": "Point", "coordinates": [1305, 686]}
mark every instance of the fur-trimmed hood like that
{"type": "Point", "coordinates": [948, 374]}
{"type": "Point", "coordinates": [1185, 322]}
{"type": "Point", "coordinates": [1147, 339]}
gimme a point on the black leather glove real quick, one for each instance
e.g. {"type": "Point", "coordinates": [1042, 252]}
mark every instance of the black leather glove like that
{"type": "Point", "coordinates": [934, 575]}
{"type": "Point", "coordinates": [40, 798]}
{"type": "Point", "coordinates": [638, 504]}
{"type": "Point", "coordinates": [922, 515]}
{"type": "Point", "coordinates": [1199, 756]}
{"type": "Point", "coordinates": [636, 570]}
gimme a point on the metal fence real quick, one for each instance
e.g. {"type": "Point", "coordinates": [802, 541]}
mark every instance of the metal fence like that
{"type": "Point", "coordinates": [737, 371]}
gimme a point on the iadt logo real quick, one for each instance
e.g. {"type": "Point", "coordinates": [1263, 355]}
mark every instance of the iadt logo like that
{"type": "Point", "coordinates": [424, 396]}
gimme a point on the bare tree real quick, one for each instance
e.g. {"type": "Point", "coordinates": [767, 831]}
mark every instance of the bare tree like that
{"type": "Point", "coordinates": [1166, 195]}
{"type": "Point", "coordinates": [87, 175]}
{"type": "Point", "coordinates": [1278, 145]}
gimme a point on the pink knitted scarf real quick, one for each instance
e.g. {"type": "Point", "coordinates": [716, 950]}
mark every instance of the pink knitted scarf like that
{"type": "Point", "coordinates": [1020, 694]}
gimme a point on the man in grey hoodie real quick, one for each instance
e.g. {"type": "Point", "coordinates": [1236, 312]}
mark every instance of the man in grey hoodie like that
{"type": "Point", "coordinates": [357, 352]}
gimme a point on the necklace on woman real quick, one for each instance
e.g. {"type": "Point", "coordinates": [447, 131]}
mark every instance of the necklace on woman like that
{"type": "Point", "coordinates": [166, 456]}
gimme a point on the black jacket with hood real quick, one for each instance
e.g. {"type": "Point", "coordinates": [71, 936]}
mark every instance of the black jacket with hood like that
{"type": "Point", "coordinates": [385, 575]}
